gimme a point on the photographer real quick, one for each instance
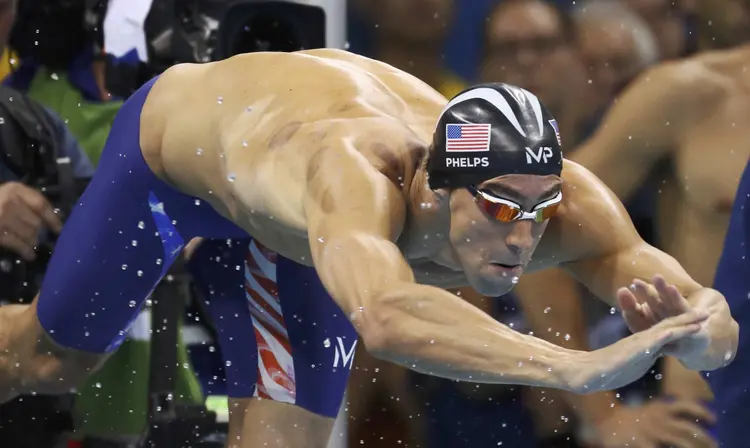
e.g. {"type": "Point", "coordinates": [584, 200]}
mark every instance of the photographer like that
{"type": "Point", "coordinates": [28, 222]}
{"type": "Point", "coordinates": [37, 155]}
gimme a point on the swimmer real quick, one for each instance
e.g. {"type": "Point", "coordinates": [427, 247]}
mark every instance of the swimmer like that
{"type": "Point", "coordinates": [702, 138]}
{"type": "Point", "coordinates": [364, 194]}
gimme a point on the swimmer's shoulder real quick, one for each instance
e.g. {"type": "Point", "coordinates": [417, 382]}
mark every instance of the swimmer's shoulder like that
{"type": "Point", "coordinates": [590, 213]}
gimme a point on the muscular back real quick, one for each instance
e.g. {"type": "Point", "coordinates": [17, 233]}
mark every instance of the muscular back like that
{"type": "Point", "coordinates": [245, 134]}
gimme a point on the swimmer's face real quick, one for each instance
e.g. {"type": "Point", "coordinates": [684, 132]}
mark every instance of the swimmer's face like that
{"type": "Point", "coordinates": [494, 254]}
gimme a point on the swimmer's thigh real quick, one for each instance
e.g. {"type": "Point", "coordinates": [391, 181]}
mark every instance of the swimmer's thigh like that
{"type": "Point", "coordinates": [288, 348]}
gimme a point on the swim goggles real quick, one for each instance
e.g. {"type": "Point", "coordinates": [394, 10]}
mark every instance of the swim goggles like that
{"type": "Point", "coordinates": [504, 210]}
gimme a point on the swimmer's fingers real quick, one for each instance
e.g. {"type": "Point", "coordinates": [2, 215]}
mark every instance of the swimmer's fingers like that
{"type": "Point", "coordinates": [673, 301]}
{"type": "Point", "coordinates": [637, 316]}
{"type": "Point", "coordinates": [17, 245]}
{"type": "Point", "coordinates": [677, 327]}
{"type": "Point", "coordinates": [648, 295]}
{"type": "Point", "coordinates": [39, 205]}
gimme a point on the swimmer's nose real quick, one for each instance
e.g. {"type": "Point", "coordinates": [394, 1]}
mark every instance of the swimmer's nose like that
{"type": "Point", "coordinates": [520, 238]}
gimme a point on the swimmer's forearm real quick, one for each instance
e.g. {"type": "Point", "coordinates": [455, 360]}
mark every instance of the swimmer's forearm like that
{"type": "Point", "coordinates": [721, 327]}
{"type": "Point", "coordinates": [432, 331]}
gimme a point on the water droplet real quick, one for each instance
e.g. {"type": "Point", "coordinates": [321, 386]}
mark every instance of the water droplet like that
{"type": "Point", "coordinates": [199, 151]}
{"type": "Point", "coordinates": [141, 225]}
{"type": "Point", "coordinates": [228, 363]}
{"type": "Point", "coordinates": [514, 280]}
{"type": "Point", "coordinates": [197, 202]}
{"type": "Point", "coordinates": [547, 310]}
{"type": "Point", "coordinates": [648, 351]}
{"type": "Point", "coordinates": [158, 261]}
{"type": "Point", "coordinates": [321, 240]}
{"type": "Point", "coordinates": [425, 205]}
{"type": "Point", "coordinates": [231, 177]}
{"type": "Point", "coordinates": [98, 385]}
{"type": "Point", "coordinates": [245, 143]}
{"type": "Point", "coordinates": [220, 100]}
{"type": "Point", "coordinates": [520, 363]}
{"type": "Point", "coordinates": [658, 376]}
{"type": "Point", "coordinates": [566, 337]}
{"type": "Point", "coordinates": [134, 243]}
{"type": "Point", "coordinates": [327, 343]}
{"type": "Point", "coordinates": [612, 310]}
{"type": "Point", "coordinates": [132, 304]}
{"type": "Point", "coordinates": [139, 273]}
{"type": "Point", "coordinates": [124, 267]}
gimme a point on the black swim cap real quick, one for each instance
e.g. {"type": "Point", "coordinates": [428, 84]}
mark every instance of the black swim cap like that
{"type": "Point", "coordinates": [491, 130]}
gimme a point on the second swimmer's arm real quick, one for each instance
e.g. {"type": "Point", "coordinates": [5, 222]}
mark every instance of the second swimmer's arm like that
{"type": "Point", "coordinates": [354, 215]}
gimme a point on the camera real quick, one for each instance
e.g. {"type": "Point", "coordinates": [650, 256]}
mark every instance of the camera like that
{"type": "Point", "coordinates": [178, 31]}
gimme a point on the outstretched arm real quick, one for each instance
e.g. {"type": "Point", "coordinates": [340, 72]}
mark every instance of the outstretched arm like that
{"type": "Point", "coordinates": [354, 215]}
{"type": "Point", "coordinates": [609, 257]}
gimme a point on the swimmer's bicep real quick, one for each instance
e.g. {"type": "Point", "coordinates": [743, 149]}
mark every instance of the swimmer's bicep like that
{"type": "Point", "coordinates": [354, 216]}
{"type": "Point", "coordinates": [601, 247]}
{"type": "Point", "coordinates": [605, 274]}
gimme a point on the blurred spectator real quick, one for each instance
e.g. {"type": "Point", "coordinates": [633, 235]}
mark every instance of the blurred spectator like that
{"type": "Point", "coordinates": [722, 23]}
{"type": "Point", "coordinates": [615, 44]}
{"type": "Point", "coordinates": [59, 67]}
{"type": "Point", "coordinates": [529, 43]}
{"type": "Point", "coordinates": [35, 421]}
{"type": "Point", "coordinates": [410, 35]}
{"type": "Point", "coordinates": [668, 22]}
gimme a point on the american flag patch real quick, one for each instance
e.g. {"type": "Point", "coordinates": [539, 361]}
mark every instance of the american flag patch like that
{"type": "Point", "coordinates": [467, 137]}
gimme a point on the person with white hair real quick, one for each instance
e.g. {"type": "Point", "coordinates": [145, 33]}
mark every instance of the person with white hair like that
{"type": "Point", "coordinates": [615, 45]}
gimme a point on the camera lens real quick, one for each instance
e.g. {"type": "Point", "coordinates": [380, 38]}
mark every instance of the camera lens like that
{"type": "Point", "coordinates": [267, 32]}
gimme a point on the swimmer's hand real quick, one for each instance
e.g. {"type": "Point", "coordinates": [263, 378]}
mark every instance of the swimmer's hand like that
{"type": "Point", "coordinates": [23, 213]}
{"type": "Point", "coordinates": [629, 359]}
{"type": "Point", "coordinates": [644, 305]}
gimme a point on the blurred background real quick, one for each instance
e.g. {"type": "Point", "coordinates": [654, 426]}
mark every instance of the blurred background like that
{"type": "Point", "coordinates": [81, 58]}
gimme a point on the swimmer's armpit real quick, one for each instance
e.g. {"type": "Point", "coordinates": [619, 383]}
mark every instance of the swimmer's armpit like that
{"type": "Point", "coordinates": [354, 216]}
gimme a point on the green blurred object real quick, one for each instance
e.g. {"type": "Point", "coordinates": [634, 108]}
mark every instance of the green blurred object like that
{"type": "Point", "coordinates": [89, 121]}
{"type": "Point", "coordinates": [114, 401]}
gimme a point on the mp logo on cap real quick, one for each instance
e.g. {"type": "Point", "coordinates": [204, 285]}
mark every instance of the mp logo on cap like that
{"type": "Point", "coordinates": [543, 154]}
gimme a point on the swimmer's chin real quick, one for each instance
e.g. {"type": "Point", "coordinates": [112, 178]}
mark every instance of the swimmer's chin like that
{"type": "Point", "coordinates": [492, 285]}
